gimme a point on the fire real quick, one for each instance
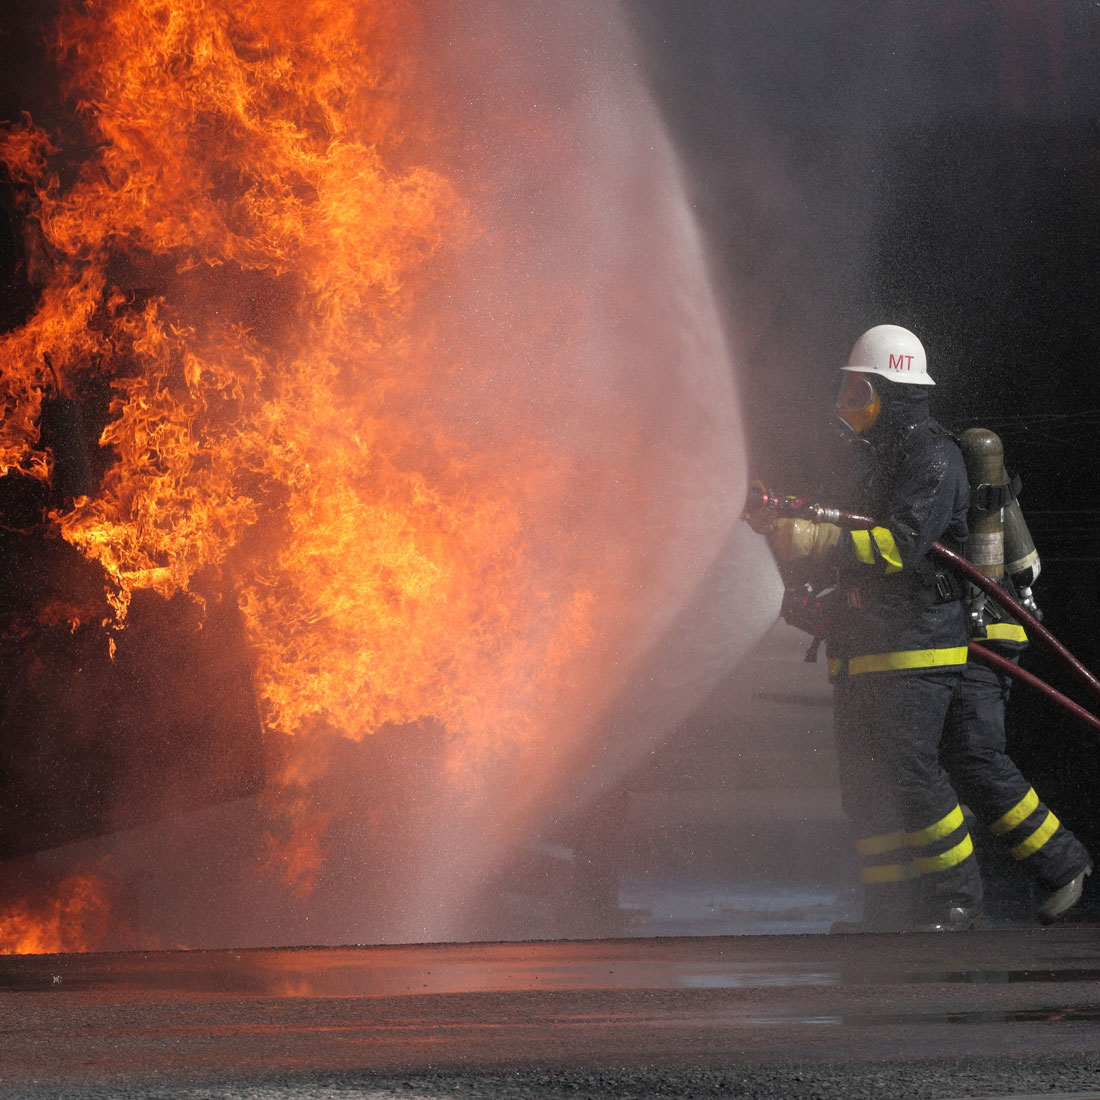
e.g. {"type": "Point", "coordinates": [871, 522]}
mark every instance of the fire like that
{"type": "Point", "coordinates": [240, 255]}
{"type": "Point", "coordinates": [357, 374]}
{"type": "Point", "coordinates": [73, 918]}
{"type": "Point", "coordinates": [241, 252]}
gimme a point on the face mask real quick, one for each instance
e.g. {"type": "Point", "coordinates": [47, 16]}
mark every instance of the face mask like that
{"type": "Point", "coordinates": [857, 401]}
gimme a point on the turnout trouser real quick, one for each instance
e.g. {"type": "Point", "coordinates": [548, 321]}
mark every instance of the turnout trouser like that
{"type": "Point", "coordinates": [987, 780]}
{"type": "Point", "coordinates": [916, 855]}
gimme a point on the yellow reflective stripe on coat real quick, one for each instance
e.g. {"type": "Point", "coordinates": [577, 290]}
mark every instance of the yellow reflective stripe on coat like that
{"type": "Point", "coordinates": [889, 872]}
{"type": "Point", "coordinates": [1017, 815]}
{"type": "Point", "coordinates": [1037, 839]}
{"type": "Point", "coordinates": [1004, 632]}
{"type": "Point", "coordinates": [835, 667]}
{"type": "Point", "coordinates": [861, 540]}
{"type": "Point", "coordinates": [883, 542]}
{"type": "Point", "coordinates": [944, 827]}
{"type": "Point", "coordinates": [877, 845]}
{"type": "Point", "coordinates": [929, 865]}
{"type": "Point", "coordinates": [904, 659]}
{"type": "Point", "coordinates": [888, 548]}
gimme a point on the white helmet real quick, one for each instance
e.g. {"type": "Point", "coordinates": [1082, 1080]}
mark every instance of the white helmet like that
{"type": "Point", "coordinates": [893, 352]}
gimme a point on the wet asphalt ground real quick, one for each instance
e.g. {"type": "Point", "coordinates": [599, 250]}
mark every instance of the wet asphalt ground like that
{"type": "Point", "coordinates": [980, 1014]}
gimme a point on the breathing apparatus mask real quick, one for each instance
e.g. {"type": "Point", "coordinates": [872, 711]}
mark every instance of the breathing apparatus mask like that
{"type": "Point", "coordinates": [858, 403]}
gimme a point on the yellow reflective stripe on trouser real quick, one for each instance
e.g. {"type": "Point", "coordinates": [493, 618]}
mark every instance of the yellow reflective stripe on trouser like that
{"type": "Point", "coordinates": [928, 865]}
{"type": "Point", "coordinates": [906, 659]}
{"type": "Point", "coordinates": [883, 542]}
{"type": "Point", "coordinates": [889, 872]}
{"type": "Point", "coordinates": [877, 845]}
{"type": "Point", "coordinates": [1005, 632]}
{"type": "Point", "coordinates": [944, 827]}
{"type": "Point", "coordinates": [1017, 815]}
{"type": "Point", "coordinates": [1037, 839]}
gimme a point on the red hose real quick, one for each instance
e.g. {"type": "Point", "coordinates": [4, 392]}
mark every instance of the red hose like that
{"type": "Point", "coordinates": [1017, 609]}
{"type": "Point", "coordinates": [995, 660]}
{"type": "Point", "coordinates": [992, 589]}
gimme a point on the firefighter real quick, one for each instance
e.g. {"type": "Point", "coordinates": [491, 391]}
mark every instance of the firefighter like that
{"type": "Point", "coordinates": [896, 640]}
{"type": "Point", "coordinates": [973, 748]}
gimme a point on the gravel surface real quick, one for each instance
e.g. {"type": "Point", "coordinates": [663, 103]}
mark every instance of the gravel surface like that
{"type": "Point", "coordinates": [1065, 1079]}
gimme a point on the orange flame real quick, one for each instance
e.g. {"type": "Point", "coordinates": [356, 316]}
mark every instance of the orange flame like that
{"type": "Point", "coordinates": [74, 918]}
{"type": "Point", "coordinates": [240, 254]}
{"type": "Point", "coordinates": [248, 185]}
{"type": "Point", "coordinates": [277, 239]}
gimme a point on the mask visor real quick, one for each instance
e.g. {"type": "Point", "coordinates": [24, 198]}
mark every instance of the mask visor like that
{"type": "Point", "coordinates": [857, 401]}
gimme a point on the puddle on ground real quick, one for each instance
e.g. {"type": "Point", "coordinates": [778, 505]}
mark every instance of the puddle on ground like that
{"type": "Point", "coordinates": [1070, 1014]}
{"type": "Point", "coordinates": [965, 977]}
{"type": "Point", "coordinates": [486, 969]}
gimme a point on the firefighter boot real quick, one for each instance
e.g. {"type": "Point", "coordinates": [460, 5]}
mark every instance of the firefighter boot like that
{"type": "Point", "coordinates": [1063, 899]}
{"type": "Point", "coordinates": [951, 900]}
{"type": "Point", "coordinates": [958, 918]}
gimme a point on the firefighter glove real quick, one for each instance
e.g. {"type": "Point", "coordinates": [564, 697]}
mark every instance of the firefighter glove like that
{"type": "Point", "coordinates": [801, 539]}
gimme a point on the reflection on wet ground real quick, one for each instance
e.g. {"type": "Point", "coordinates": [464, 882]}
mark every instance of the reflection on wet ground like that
{"type": "Point", "coordinates": [1084, 1014]}
{"type": "Point", "coordinates": [383, 972]}
{"type": "Point", "coordinates": [497, 968]}
{"type": "Point", "coordinates": [1000, 1009]}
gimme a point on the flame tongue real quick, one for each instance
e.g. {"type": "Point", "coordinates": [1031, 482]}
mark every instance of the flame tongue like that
{"type": "Point", "coordinates": [260, 142]}
{"type": "Point", "coordinates": [243, 255]}
{"type": "Point", "coordinates": [73, 918]}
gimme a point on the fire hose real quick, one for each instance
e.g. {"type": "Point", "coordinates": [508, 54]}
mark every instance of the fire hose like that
{"type": "Point", "coordinates": [994, 660]}
{"type": "Point", "coordinates": [803, 508]}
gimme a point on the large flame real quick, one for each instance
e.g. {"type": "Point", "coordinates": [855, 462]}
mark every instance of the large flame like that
{"type": "Point", "coordinates": [239, 255]}
{"type": "Point", "coordinates": [351, 377]}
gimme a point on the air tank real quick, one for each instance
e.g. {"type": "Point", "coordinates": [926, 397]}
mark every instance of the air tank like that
{"type": "Point", "coordinates": [985, 469]}
{"type": "Point", "coordinates": [1021, 557]}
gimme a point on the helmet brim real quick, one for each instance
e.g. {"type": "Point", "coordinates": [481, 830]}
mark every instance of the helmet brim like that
{"type": "Point", "coordinates": [894, 376]}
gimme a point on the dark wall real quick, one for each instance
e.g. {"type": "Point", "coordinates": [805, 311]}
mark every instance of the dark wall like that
{"type": "Point", "coordinates": [996, 221]}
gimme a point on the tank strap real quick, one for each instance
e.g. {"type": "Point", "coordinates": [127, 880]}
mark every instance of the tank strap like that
{"type": "Point", "coordinates": [992, 498]}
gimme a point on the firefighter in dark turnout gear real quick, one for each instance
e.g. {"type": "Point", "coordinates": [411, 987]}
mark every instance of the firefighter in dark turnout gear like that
{"type": "Point", "coordinates": [896, 641]}
{"type": "Point", "coordinates": [973, 748]}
